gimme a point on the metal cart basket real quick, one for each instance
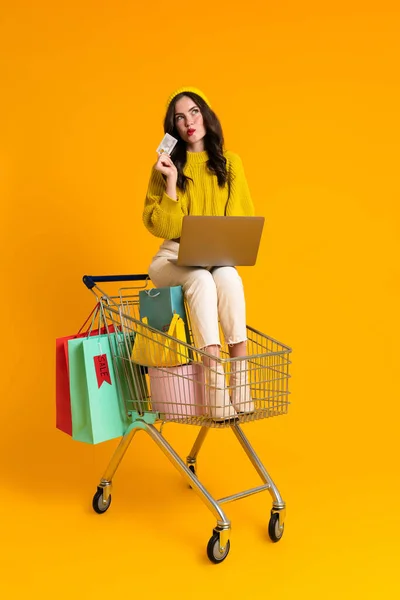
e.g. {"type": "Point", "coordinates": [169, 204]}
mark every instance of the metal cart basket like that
{"type": "Point", "coordinates": [189, 391]}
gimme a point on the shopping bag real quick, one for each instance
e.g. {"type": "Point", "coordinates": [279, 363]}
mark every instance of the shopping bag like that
{"type": "Point", "coordinates": [159, 305]}
{"type": "Point", "coordinates": [157, 350]}
{"type": "Point", "coordinates": [178, 392]}
{"type": "Point", "coordinates": [63, 399]}
{"type": "Point", "coordinates": [131, 378]}
{"type": "Point", "coordinates": [97, 411]}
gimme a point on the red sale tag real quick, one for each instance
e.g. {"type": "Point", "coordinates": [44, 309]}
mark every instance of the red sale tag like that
{"type": "Point", "coordinates": [102, 370]}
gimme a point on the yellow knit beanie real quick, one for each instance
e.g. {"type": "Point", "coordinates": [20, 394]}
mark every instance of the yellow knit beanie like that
{"type": "Point", "coordinates": [188, 89]}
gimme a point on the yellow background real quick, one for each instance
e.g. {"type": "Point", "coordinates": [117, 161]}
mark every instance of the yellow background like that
{"type": "Point", "coordinates": [308, 95]}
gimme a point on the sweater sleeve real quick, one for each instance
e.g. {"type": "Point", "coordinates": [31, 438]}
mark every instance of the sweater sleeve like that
{"type": "Point", "coordinates": [240, 202]}
{"type": "Point", "coordinates": [161, 215]}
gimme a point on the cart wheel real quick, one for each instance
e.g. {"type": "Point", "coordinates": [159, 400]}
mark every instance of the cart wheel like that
{"type": "Point", "coordinates": [213, 551]}
{"type": "Point", "coordinates": [98, 505]}
{"type": "Point", "coordinates": [275, 531]}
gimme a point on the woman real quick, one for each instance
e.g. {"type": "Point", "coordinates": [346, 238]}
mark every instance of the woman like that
{"type": "Point", "coordinates": [200, 178]}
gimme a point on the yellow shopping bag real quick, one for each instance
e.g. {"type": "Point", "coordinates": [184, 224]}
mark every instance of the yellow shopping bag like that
{"type": "Point", "coordinates": [152, 349]}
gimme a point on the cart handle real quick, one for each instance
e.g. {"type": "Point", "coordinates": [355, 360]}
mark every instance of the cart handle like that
{"type": "Point", "coordinates": [91, 280]}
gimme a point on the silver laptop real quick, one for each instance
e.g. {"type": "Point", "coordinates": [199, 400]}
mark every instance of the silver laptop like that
{"type": "Point", "coordinates": [219, 241]}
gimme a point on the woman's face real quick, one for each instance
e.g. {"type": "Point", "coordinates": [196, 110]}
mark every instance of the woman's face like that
{"type": "Point", "coordinates": [189, 123]}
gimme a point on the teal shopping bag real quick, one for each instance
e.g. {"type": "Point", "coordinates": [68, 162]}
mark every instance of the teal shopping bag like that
{"type": "Point", "coordinates": [160, 304]}
{"type": "Point", "coordinates": [97, 410]}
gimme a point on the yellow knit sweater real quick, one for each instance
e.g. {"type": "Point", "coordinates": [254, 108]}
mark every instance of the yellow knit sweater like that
{"type": "Point", "coordinates": [163, 216]}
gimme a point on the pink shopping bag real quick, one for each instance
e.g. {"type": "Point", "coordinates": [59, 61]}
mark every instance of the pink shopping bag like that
{"type": "Point", "coordinates": [178, 392]}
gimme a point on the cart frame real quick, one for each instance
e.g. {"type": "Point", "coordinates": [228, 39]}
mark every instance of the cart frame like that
{"type": "Point", "coordinates": [145, 420]}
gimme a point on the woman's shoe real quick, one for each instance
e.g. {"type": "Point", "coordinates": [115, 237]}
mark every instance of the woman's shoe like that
{"type": "Point", "coordinates": [240, 388]}
{"type": "Point", "coordinates": [217, 395]}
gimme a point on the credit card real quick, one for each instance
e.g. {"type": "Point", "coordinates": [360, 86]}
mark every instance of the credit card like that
{"type": "Point", "coordinates": [167, 145]}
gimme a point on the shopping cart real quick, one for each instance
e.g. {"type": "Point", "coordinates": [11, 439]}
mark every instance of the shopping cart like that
{"type": "Point", "coordinates": [184, 394]}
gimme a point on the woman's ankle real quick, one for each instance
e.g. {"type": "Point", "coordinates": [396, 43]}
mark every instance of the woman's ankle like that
{"type": "Point", "coordinates": [215, 351]}
{"type": "Point", "coordinates": [237, 350]}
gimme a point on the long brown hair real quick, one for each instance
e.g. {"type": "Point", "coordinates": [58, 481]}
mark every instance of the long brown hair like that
{"type": "Point", "coordinates": [213, 141]}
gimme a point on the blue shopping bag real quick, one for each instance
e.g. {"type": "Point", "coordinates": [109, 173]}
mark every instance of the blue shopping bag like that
{"type": "Point", "coordinates": [159, 305]}
{"type": "Point", "coordinates": [97, 409]}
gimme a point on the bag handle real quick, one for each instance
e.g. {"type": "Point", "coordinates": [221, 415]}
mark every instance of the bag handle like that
{"type": "Point", "coordinates": [173, 325]}
{"type": "Point", "coordinates": [180, 331]}
{"type": "Point", "coordinates": [96, 308]}
{"type": "Point", "coordinates": [176, 324]}
{"type": "Point", "coordinates": [150, 295]}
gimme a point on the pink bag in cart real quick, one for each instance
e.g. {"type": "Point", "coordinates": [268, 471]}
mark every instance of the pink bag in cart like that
{"type": "Point", "coordinates": [178, 392]}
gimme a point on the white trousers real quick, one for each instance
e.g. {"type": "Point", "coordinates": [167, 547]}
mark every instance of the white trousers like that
{"type": "Point", "coordinates": [210, 294]}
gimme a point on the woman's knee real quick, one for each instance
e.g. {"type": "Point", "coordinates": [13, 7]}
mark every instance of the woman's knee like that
{"type": "Point", "coordinates": [227, 277]}
{"type": "Point", "coordinates": [200, 281]}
